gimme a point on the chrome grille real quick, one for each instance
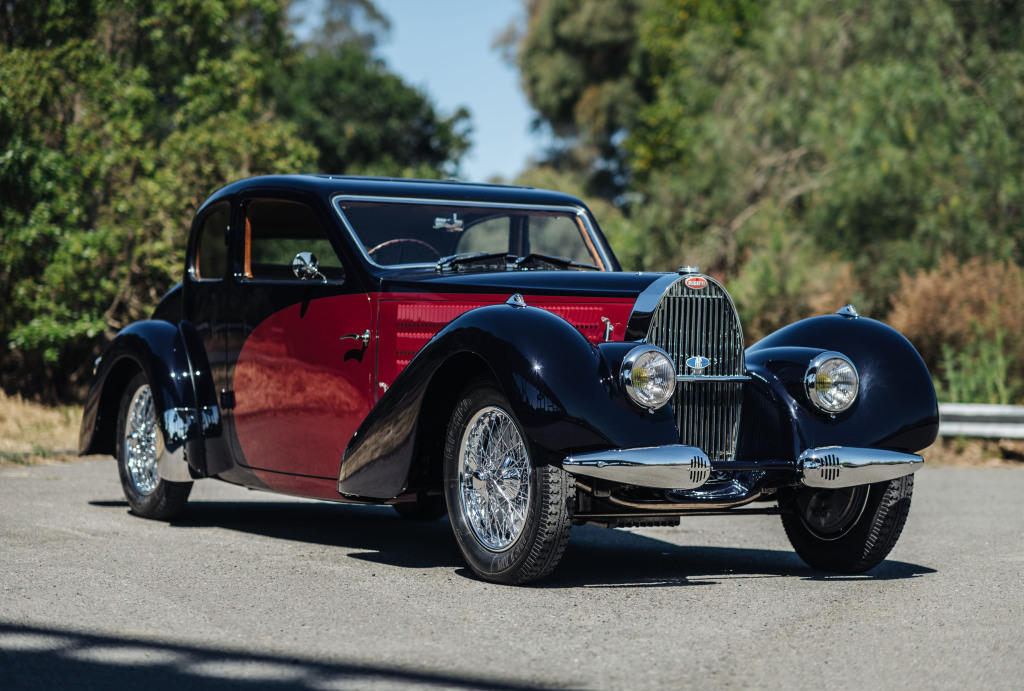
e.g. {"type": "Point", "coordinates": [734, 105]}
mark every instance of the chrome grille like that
{"type": "Point", "coordinates": [702, 322]}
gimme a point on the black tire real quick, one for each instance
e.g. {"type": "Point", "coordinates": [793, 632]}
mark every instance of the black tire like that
{"type": "Point", "coordinates": [423, 509]}
{"type": "Point", "coordinates": [857, 542]}
{"type": "Point", "coordinates": [139, 443]}
{"type": "Point", "coordinates": [499, 542]}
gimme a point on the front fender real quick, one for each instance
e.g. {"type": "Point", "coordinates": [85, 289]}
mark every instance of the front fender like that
{"type": "Point", "coordinates": [172, 358]}
{"type": "Point", "coordinates": [896, 408]}
{"type": "Point", "coordinates": [562, 389]}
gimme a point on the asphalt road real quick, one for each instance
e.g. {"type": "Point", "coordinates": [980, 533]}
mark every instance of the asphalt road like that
{"type": "Point", "coordinates": [253, 591]}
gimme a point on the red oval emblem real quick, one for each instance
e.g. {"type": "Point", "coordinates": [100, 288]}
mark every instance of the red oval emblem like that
{"type": "Point", "coordinates": [696, 282]}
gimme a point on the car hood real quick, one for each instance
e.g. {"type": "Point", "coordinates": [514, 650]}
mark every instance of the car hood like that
{"type": "Point", "coordinates": [591, 284]}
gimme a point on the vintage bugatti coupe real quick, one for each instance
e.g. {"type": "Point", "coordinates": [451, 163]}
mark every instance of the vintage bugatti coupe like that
{"type": "Point", "coordinates": [476, 350]}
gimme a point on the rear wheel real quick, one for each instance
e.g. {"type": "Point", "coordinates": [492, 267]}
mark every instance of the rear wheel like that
{"type": "Point", "coordinates": [139, 445]}
{"type": "Point", "coordinates": [849, 530]}
{"type": "Point", "coordinates": [510, 512]}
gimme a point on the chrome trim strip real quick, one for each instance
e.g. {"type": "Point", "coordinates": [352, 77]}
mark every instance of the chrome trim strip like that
{"type": "Point", "coordinates": [834, 467]}
{"type": "Point", "coordinates": [710, 378]}
{"type": "Point", "coordinates": [650, 298]}
{"type": "Point", "coordinates": [663, 467]}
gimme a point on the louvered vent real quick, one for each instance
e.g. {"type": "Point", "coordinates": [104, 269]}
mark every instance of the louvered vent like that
{"type": "Point", "coordinates": [701, 322]}
{"type": "Point", "coordinates": [700, 470]}
{"type": "Point", "coordinates": [829, 468]}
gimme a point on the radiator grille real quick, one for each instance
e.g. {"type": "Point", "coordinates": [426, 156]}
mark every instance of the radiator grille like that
{"type": "Point", "coordinates": [702, 322]}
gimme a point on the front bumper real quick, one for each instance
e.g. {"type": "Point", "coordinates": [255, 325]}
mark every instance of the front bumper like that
{"type": "Point", "coordinates": [681, 467]}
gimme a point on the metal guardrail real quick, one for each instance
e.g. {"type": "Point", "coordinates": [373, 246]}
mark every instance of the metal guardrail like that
{"type": "Point", "coordinates": [981, 420]}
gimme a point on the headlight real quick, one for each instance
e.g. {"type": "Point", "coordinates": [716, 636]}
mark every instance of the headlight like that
{"type": "Point", "coordinates": [832, 382]}
{"type": "Point", "coordinates": [648, 376]}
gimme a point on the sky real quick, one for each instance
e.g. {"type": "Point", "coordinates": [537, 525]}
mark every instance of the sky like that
{"type": "Point", "coordinates": [443, 48]}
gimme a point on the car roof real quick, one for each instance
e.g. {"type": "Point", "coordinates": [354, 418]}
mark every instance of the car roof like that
{"type": "Point", "coordinates": [327, 186]}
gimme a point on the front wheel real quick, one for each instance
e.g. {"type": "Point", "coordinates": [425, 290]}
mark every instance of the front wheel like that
{"type": "Point", "coordinates": [510, 512]}
{"type": "Point", "coordinates": [849, 530]}
{"type": "Point", "coordinates": [139, 444]}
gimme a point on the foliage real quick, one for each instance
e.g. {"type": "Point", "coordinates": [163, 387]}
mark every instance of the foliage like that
{"type": "Point", "coordinates": [618, 229]}
{"type": "Point", "coordinates": [809, 153]}
{"type": "Point", "coordinates": [118, 119]}
{"type": "Point", "coordinates": [578, 68]}
{"type": "Point", "coordinates": [962, 316]}
{"type": "Point", "coordinates": [364, 120]}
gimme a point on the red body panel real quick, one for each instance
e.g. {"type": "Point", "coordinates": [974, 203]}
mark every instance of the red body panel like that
{"type": "Point", "coordinates": [301, 391]}
{"type": "Point", "coordinates": [408, 321]}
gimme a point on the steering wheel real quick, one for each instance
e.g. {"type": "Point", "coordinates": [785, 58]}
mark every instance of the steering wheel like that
{"type": "Point", "coordinates": [411, 241]}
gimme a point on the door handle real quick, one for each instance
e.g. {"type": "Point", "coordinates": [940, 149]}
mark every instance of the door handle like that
{"type": "Point", "coordinates": [364, 337]}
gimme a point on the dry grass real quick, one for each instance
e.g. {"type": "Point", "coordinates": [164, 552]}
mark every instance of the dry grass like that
{"type": "Point", "coordinates": [976, 453]}
{"type": "Point", "coordinates": [32, 434]}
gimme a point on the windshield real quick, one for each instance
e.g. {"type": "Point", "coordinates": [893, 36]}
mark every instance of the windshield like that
{"type": "Point", "coordinates": [403, 233]}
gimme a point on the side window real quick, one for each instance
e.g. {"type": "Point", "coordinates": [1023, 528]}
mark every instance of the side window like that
{"type": "Point", "coordinates": [211, 262]}
{"type": "Point", "coordinates": [275, 231]}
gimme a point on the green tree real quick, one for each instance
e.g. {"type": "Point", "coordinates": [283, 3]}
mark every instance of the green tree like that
{"type": "Point", "coordinates": [363, 119]}
{"type": "Point", "coordinates": [579, 68]}
{"type": "Point", "coordinates": [885, 132]}
{"type": "Point", "coordinates": [117, 120]}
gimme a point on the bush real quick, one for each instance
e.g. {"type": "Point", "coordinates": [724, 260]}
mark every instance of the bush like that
{"type": "Point", "coordinates": [962, 317]}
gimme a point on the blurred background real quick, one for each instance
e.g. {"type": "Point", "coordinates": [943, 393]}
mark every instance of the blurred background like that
{"type": "Point", "coordinates": [808, 153]}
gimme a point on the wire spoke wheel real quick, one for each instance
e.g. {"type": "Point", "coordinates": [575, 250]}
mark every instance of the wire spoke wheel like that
{"type": "Point", "coordinates": [140, 446]}
{"type": "Point", "coordinates": [494, 478]}
{"type": "Point", "coordinates": [140, 442]}
{"type": "Point", "coordinates": [511, 511]}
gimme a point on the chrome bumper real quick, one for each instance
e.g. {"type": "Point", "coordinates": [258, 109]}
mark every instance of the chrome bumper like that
{"type": "Point", "coordinates": [662, 467]}
{"type": "Point", "coordinates": [832, 467]}
{"type": "Point", "coordinates": [682, 467]}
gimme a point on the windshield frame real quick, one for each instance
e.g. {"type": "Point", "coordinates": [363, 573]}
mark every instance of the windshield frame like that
{"type": "Point", "coordinates": [592, 237]}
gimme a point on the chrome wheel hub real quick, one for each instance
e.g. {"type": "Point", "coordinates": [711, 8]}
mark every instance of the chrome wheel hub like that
{"type": "Point", "coordinates": [140, 442]}
{"type": "Point", "coordinates": [494, 478]}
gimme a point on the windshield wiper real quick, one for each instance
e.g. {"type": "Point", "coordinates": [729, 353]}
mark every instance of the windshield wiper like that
{"type": "Point", "coordinates": [498, 261]}
{"type": "Point", "coordinates": [545, 261]}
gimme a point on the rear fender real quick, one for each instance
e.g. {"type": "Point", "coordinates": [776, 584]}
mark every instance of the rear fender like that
{"type": "Point", "coordinates": [172, 358]}
{"type": "Point", "coordinates": [895, 409]}
{"type": "Point", "coordinates": [562, 389]}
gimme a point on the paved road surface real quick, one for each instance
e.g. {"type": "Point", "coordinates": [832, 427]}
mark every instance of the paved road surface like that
{"type": "Point", "coordinates": [251, 591]}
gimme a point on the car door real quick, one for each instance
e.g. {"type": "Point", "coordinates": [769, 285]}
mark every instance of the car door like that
{"type": "Point", "coordinates": [204, 308]}
{"type": "Point", "coordinates": [303, 380]}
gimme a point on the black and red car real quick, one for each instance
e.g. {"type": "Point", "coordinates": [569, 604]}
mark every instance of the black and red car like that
{"type": "Point", "coordinates": [476, 350]}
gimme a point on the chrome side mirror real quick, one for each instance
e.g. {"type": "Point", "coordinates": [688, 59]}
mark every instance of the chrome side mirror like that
{"type": "Point", "coordinates": [306, 267]}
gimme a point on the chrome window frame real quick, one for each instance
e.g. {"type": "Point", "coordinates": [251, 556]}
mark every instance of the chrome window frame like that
{"type": "Point", "coordinates": [599, 244]}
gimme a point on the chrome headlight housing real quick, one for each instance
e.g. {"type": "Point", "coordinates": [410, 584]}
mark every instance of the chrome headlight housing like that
{"type": "Point", "coordinates": [832, 382]}
{"type": "Point", "coordinates": [648, 376]}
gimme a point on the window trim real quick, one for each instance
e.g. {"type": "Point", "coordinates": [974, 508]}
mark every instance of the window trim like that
{"type": "Point", "coordinates": [193, 272]}
{"type": "Point", "coordinates": [245, 250]}
{"type": "Point", "coordinates": [582, 215]}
